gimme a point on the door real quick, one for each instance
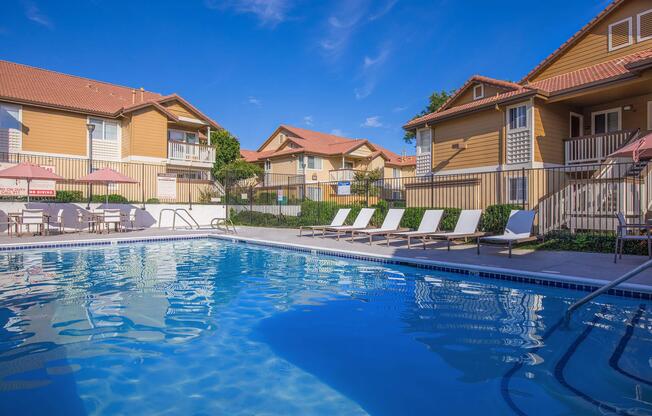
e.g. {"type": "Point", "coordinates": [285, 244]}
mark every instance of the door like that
{"type": "Point", "coordinates": [607, 121]}
{"type": "Point", "coordinates": [576, 125]}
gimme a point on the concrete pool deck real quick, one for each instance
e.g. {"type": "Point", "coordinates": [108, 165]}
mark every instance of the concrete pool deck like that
{"type": "Point", "coordinates": [554, 263]}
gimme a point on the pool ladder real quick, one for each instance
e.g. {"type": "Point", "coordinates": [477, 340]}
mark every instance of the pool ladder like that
{"type": "Point", "coordinates": [635, 271]}
{"type": "Point", "coordinates": [177, 214]}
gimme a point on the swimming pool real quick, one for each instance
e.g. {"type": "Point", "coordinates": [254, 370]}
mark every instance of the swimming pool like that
{"type": "Point", "coordinates": [213, 327]}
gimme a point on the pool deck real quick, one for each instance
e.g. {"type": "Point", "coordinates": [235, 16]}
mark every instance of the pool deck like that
{"type": "Point", "coordinates": [554, 263]}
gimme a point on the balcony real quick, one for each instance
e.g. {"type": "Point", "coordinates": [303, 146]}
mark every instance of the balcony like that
{"type": "Point", "coordinates": [594, 148]}
{"type": "Point", "coordinates": [187, 154]}
{"type": "Point", "coordinates": [338, 175]}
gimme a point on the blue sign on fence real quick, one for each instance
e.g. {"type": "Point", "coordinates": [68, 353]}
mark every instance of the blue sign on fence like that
{"type": "Point", "coordinates": [344, 188]}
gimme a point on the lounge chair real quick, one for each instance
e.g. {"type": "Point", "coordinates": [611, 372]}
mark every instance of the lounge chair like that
{"type": "Point", "coordinates": [429, 224]}
{"type": "Point", "coordinates": [338, 221]}
{"type": "Point", "coordinates": [466, 227]}
{"type": "Point", "coordinates": [518, 230]}
{"type": "Point", "coordinates": [361, 222]}
{"type": "Point", "coordinates": [391, 224]}
{"type": "Point", "coordinates": [623, 233]}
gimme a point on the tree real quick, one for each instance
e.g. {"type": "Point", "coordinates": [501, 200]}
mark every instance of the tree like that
{"type": "Point", "coordinates": [227, 149]}
{"type": "Point", "coordinates": [364, 181]}
{"type": "Point", "coordinates": [436, 100]}
{"type": "Point", "coordinates": [236, 171]}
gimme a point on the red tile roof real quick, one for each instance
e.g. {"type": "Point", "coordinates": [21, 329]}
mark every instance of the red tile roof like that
{"type": "Point", "coordinates": [30, 85]}
{"type": "Point", "coordinates": [314, 142]}
{"type": "Point", "coordinates": [616, 69]}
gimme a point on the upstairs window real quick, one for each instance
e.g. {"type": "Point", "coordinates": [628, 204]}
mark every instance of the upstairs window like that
{"type": "Point", "coordinates": [607, 121]}
{"type": "Point", "coordinates": [424, 141]}
{"type": "Point", "coordinates": [183, 136]}
{"type": "Point", "coordinates": [478, 91]}
{"type": "Point", "coordinates": [9, 117]}
{"type": "Point", "coordinates": [104, 129]}
{"type": "Point", "coordinates": [644, 24]}
{"type": "Point", "coordinates": [620, 34]}
{"type": "Point", "coordinates": [518, 118]}
{"type": "Point", "coordinates": [313, 162]}
{"type": "Point", "coordinates": [268, 165]}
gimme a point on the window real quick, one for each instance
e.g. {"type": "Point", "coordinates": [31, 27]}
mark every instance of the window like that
{"type": "Point", "coordinates": [196, 175]}
{"type": "Point", "coordinates": [518, 117]}
{"type": "Point", "coordinates": [9, 117]}
{"type": "Point", "coordinates": [644, 25]}
{"type": "Point", "coordinates": [104, 129]}
{"type": "Point", "coordinates": [313, 193]}
{"type": "Point", "coordinates": [313, 162]}
{"type": "Point", "coordinates": [183, 136]}
{"type": "Point", "coordinates": [478, 91]}
{"type": "Point", "coordinates": [424, 141]}
{"type": "Point", "coordinates": [606, 121]}
{"type": "Point", "coordinates": [396, 173]}
{"type": "Point", "coordinates": [268, 165]}
{"type": "Point", "coordinates": [517, 188]}
{"type": "Point", "coordinates": [348, 165]}
{"type": "Point", "coordinates": [620, 34]}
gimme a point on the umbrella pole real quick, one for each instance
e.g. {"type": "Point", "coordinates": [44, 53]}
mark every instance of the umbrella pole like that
{"type": "Point", "coordinates": [28, 182]}
{"type": "Point", "coordinates": [106, 197]}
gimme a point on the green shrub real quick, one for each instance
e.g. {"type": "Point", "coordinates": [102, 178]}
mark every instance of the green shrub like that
{"type": "Point", "coordinates": [153, 201]}
{"type": "Point", "coordinates": [379, 214]}
{"type": "Point", "coordinates": [494, 218]}
{"type": "Point", "coordinates": [412, 218]}
{"type": "Point", "coordinates": [69, 196]}
{"type": "Point", "coordinates": [113, 199]}
{"type": "Point", "coordinates": [587, 242]}
{"type": "Point", "coordinates": [259, 219]}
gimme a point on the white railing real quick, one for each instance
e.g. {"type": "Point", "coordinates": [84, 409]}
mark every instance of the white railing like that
{"type": "Point", "coordinates": [594, 148]}
{"type": "Point", "coordinates": [190, 152]}
{"type": "Point", "coordinates": [342, 175]}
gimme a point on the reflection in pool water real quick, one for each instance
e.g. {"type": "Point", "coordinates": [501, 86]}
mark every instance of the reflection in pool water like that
{"type": "Point", "coordinates": [209, 327]}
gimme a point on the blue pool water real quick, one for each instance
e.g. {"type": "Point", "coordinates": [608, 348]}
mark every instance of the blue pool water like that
{"type": "Point", "coordinates": [209, 327]}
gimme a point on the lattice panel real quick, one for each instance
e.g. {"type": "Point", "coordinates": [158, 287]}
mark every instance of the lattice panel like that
{"type": "Point", "coordinates": [519, 147]}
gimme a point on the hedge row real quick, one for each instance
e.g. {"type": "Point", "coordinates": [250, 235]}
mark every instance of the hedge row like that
{"type": "Point", "coordinates": [494, 218]}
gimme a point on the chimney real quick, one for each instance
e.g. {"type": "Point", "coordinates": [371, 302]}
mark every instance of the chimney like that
{"type": "Point", "coordinates": [142, 94]}
{"type": "Point", "coordinates": [133, 96]}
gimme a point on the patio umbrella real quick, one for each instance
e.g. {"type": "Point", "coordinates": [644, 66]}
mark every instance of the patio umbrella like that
{"type": "Point", "coordinates": [637, 150]}
{"type": "Point", "coordinates": [106, 176]}
{"type": "Point", "coordinates": [29, 172]}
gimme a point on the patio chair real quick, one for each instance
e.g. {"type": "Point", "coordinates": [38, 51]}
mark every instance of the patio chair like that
{"type": "Point", "coordinates": [31, 217]}
{"type": "Point", "coordinates": [338, 221]}
{"type": "Point", "coordinates": [390, 224]}
{"type": "Point", "coordinates": [131, 219]}
{"type": "Point", "coordinates": [84, 217]}
{"type": "Point", "coordinates": [466, 227]}
{"type": "Point", "coordinates": [429, 225]}
{"type": "Point", "coordinates": [361, 222]}
{"type": "Point", "coordinates": [58, 221]}
{"type": "Point", "coordinates": [518, 230]}
{"type": "Point", "coordinates": [624, 233]}
{"type": "Point", "coordinates": [112, 217]}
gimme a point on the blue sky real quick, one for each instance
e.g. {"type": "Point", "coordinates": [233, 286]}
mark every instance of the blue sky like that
{"type": "Point", "coordinates": [360, 68]}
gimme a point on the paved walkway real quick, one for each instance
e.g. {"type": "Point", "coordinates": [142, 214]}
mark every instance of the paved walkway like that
{"type": "Point", "coordinates": [585, 265]}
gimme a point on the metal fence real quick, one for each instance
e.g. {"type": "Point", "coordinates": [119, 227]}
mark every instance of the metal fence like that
{"type": "Point", "coordinates": [193, 185]}
{"type": "Point", "coordinates": [574, 198]}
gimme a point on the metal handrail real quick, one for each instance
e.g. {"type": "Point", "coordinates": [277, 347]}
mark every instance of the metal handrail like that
{"type": "Point", "coordinates": [607, 287]}
{"type": "Point", "coordinates": [187, 213]}
{"type": "Point", "coordinates": [160, 214]}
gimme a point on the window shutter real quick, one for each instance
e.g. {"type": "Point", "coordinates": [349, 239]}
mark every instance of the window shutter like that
{"type": "Point", "coordinates": [620, 34]}
{"type": "Point", "coordinates": [644, 26]}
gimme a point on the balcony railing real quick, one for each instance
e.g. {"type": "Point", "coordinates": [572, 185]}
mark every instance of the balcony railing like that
{"type": "Point", "coordinates": [342, 175]}
{"type": "Point", "coordinates": [190, 152]}
{"type": "Point", "coordinates": [594, 148]}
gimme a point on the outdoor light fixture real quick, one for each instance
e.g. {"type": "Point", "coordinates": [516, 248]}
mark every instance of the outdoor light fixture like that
{"type": "Point", "coordinates": [628, 107]}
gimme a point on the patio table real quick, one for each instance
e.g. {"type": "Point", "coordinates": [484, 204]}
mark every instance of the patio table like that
{"type": "Point", "coordinates": [16, 219]}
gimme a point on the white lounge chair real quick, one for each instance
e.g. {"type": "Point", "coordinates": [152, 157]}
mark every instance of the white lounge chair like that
{"type": "Point", "coordinates": [338, 221]}
{"type": "Point", "coordinates": [518, 230]}
{"type": "Point", "coordinates": [361, 222]}
{"type": "Point", "coordinates": [429, 225]}
{"type": "Point", "coordinates": [466, 227]}
{"type": "Point", "coordinates": [624, 233]}
{"type": "Point", "coordinates": [391, 224]}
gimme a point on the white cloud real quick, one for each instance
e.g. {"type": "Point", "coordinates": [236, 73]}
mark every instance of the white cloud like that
{"type": "Point", "coordinates": [33, 13]}
{"type": "Point", "coordinates": [338, 132]}
{"type": "Point", "coordinates": [372, 122]}
{"type": "Point", "coordinates": [387, 7]}
{"type": "Point", "coordinates": [308, 120]}
{"type": "Point", "coordinates": [268, 12]}
{"type": "Point", "coordinates": [371, 69]}
{"type": "Point", "coordinates": [255, 101]}
{"type": "Point", "coordinates": [341, 25]}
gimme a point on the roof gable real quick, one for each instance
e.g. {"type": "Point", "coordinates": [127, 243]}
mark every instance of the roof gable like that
{"type": "Point", "coordinates": [464, 94]}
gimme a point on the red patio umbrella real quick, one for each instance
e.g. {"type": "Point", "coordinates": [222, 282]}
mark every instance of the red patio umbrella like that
{"type": "Point", "coordinates": [637, 150]}
{"type": "Point", "coordinates": [29, 172]}
{"type": "Point", "coordinates": [106, 176]}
